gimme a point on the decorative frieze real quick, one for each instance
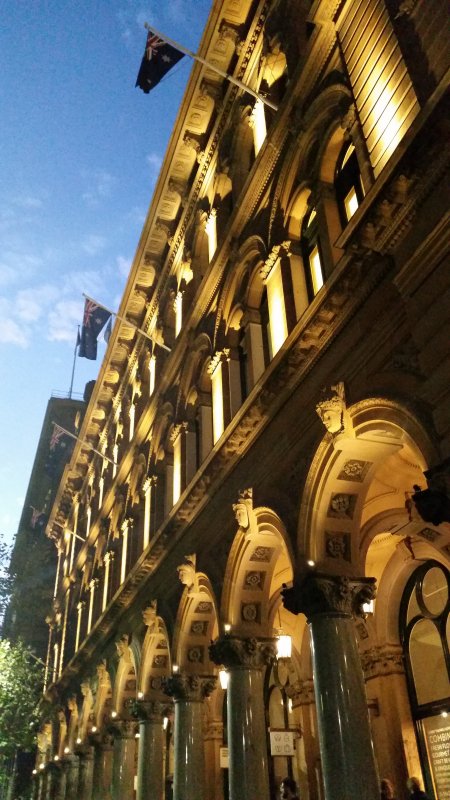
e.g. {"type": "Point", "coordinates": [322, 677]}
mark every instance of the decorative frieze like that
{"type": "Point", "coordinates": [382, 660]}
{"type": "Point", "coordinates": [236, 652]}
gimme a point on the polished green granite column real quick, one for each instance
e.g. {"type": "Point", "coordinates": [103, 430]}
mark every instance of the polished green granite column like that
{"type": "Point", "coordinates": [330, 603]}
{"type": "Point", "coordinates": [86, 756]}
{"type": "Point", "coordinates": [71, 767]}
{"type": "Point", "coordinates": [150, 777]}
{"type": "Point", "coordinates": [246, 660]}
{"type": "Point", "coordinates": [103, 766]}
{"type": "Point", "coordinates": [123, 764]}
{"type": "Point", "coordinates": [189, 693]}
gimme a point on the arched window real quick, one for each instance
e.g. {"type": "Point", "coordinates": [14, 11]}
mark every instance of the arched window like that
{"type": "Point", "coordinates": [348, 184]}
{"type": "Point", "coordinates": [312, 257]}
{"type": "Point", "coordinates": [425, 633]}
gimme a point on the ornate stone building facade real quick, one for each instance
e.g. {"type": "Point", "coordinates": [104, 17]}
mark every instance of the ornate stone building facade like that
{"type": "Point", "coordinates": [276, 458]}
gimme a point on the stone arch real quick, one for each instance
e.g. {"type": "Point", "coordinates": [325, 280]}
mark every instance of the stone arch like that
{"type": "Point", "coordinates": [196, 626]}
{"type": "Point", "coordinates": [125, 683]}
{"type": "Point", "coordinates": [155, 661]}
{"type": "Point", "coordinates": [260, 561]}
{"type": "Point", "coordinates": [103, 700]}
{"type": "Point", "coordinates": [344, 485]}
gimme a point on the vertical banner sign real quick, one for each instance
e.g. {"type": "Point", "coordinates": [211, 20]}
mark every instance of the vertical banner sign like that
{"type": "Point", "coordinates": [437, 740]}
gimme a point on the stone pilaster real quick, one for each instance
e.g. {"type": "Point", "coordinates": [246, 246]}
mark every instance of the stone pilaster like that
{"type": "Point", "coordinates": [329, 603]}
{"type": "Point", "coordinates": [246, 659]}
{"type": "Point", "coordinates": [189, 693]}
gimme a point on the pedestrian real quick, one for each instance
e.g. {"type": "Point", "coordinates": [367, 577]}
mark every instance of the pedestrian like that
{"type": "Point", "coordinates": [387, 790]}
{"type": "Point", "coordinates": [415, 792]}
{"type": "Point", "coordinates": [288, 789]}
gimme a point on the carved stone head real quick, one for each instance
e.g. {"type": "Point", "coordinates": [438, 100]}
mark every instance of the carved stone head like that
{"type": "Point", "coordinates": [331, 409]}
{"type": "Point", "coordinates": [243, 508]}
{"type": "Point", "coordinates": [186, 571]}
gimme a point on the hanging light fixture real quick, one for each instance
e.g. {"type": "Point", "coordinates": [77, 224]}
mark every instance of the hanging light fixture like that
{"type": "Point", "coordinates": [284, 646]}
{"type": "Point", "coordinates": [224, 677]}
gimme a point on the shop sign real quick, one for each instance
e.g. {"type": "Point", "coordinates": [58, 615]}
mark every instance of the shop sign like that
{"type": "Point", "coordinates": [282, 743]}
{"type": "Point", "coordinates": [437, 740]}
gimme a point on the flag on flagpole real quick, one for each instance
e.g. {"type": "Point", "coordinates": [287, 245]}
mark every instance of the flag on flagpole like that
{"type": "Point", "coordinates": [59, 451]}
{"type": "Point", "coordinates": [39, 519]}
{"type": "Point", "coordinates": [94, 319]}
{"type": "Point", "coordinates": [159, 57]}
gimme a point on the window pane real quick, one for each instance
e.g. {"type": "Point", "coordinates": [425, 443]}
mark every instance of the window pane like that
{"type": "Point", "coordinates": [351, 203]}
{"type": "Point", "coordinates": [428, 663]}
{"type": "Point", "coordinates": [434, 591]}
{"type": "Point", "coordinates": [316, 269]}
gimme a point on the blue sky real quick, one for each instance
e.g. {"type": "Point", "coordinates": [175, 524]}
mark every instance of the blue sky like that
{"type": "Point", "coordinates": [80, 150]}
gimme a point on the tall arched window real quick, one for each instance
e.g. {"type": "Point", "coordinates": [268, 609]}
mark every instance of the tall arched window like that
{"type": "Point", "coordinates": [425, 634]}
{"type": "Point", "coordinates": [312, 257]}
{"type": "Point", "coordinates": [348, 184]}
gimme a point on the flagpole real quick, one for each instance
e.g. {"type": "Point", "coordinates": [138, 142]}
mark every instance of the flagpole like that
{"type": "Point", "coordinates": [67, 530]}
{"type": "Point", "coordinates": [128, 322]}
{"type": "Point", "coordinates": [84, 442]}
{"type": "Point", "coordinates": [212, 67]}
{"type": "Point", "coordinates": [74, 360]}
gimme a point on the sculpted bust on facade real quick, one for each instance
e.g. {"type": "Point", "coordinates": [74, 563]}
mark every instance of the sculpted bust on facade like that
{"type": "Point", "coordinates": [332, 407]}
{"type": "Point", "coordinates": [187, 573]}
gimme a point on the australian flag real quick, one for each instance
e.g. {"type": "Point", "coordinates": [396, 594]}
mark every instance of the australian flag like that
{"type": "Point", "coordinates": [59, 451]}
{"type": "Point", "coordinates": [94, 319]}
{"type": "Point", "coordinates": [159, 57]}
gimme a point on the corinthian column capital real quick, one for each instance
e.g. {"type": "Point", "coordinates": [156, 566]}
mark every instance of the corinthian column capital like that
{"type": "Point", "coordinates": [244, 653]}
{"type": "Point", "coordinates": [194, 688]}
{"type": "Point", "coordinates": [318, 593]}
{"type": "Point", "coordinates": [148, 711]}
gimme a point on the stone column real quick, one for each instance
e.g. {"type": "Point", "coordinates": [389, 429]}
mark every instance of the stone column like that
{"type": "Point", "coordinates": [123, 765]}
{"type": "Point", "coordinates": [103, 766]}
{"type": "Point", "coordinates": [189, 692]}
{"type": "Point", "coordinates": [86, 756]}
{"type": "Point", "coordinates": [56, 785]}
{"type": "Point", "coordinates": [71, 766]}
{"type": "Point", "coordinates": [150, 778]}
{"type": "Point", "coordinates": [329, 603]}
{"type": "Point", "coordinates": [246, 660]}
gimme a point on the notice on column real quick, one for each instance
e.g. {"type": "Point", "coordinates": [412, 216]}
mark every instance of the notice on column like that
{"type": "Point", "coordinates": [437, 738]}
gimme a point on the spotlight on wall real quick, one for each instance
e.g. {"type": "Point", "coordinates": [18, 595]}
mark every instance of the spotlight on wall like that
{"type": "Point", "coordinates": [444, 714]}
{"type": "Point", "coordinates": [137, 735]}
{"type": "Point", "coordinates": [140, 695]}
{"type": "Point", "coordinates": [114, 714]}
{"type": "Point", "coordinates": [34, 772]}
{"type": "Point", "coordinates": [67, 749]}
{"type": "Point", "coordinates": [224, 677]}
{"type": "Point", "coordinates": [165, 723]}
{"type": "Point", "coordinates": [56, 758]}
{"type": "Point", "coordinates": [227, 627]}
{"type": "Point", "coordinates": [79, 740]}
{"type": "Point", "coordinates": [175, 668]}
{"type": "Point", "coordinates": [311, 563]}
{"type": "Point", "coordinates": [41, 766]}
{"type": "Point", "coordinates": [94, 729]}
{"type": "Point", "coordinates": [284, 646]}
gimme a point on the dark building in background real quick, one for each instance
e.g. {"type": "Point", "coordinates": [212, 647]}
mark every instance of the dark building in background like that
{"type": "Point", "coordinates": [33, 560]}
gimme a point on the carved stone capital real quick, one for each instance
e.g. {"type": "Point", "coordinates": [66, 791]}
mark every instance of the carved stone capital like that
{"type": "Point", "coordinates": [319, 593]}
{"type": "Point", "coordinates": [123, 728]}
{"type": "Point", "coordinates": [148, 711]}
{"type": "Point", "coordinates": [193, 688]}
{"type": "Point", "coordinates": [382, 660]}
{"type": "Point", "coordinates": [242, 653]}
